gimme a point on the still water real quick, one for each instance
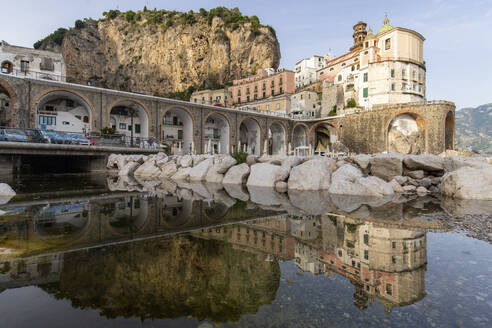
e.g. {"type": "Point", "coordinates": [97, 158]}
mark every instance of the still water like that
{"type": "Point", "coordinates": [94, 251]}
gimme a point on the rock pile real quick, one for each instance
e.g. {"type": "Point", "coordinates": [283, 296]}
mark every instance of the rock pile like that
{"type": "Point", "coordinates": [376, 175]}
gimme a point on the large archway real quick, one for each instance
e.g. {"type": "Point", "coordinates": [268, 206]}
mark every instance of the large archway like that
{"type": "Point", "coordinates": [177, 131]}
{"type": "Point", "coordinates": [299, 136]}
{"type": "Point", "coordinates": [217, 134]}
{"type": "Point", "coordinates": [449, 131]}
{"type": "Point", "coordinates": [64, 111]}
{"type": "Point", "coordinates": [127, 116]}
{"type": "Point", "coordinates": [324, 136]}
{"type": "Point", "coordinates": [406, 134]}
{"type": "Point", "coordinates": [5, 107]}
{"type": "Point", "coordinates": [277, 139]}
{"type": "Point", "coordinates": [250, 136]}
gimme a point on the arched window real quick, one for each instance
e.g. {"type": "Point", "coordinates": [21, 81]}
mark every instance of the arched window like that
{"type": "Point", "coordinates": [7, 67]}
{"type": "Point", "coordinates": [86, 119]}
{"type": "Point", "coordinates": [339, 77]}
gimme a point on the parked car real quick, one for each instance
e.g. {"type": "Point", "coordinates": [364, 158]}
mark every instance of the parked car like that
{"type": "Point", "coordinates": [56, 138]}
{"type": "Point", "coordinates": [13, 135]}
{"type": "Point", "coordinates": [36, 135]}
{"type": "Point", "coordinates": [70, 139]}
{"type": "Point", "coordinates": [81, 140]}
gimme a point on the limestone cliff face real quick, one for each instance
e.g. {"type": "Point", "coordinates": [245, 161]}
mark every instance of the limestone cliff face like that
{"type": "Point", "coordinates": [140, 55]}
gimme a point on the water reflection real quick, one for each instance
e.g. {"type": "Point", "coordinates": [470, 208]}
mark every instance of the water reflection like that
{"type": "Point", "coordinates": [197, 251]}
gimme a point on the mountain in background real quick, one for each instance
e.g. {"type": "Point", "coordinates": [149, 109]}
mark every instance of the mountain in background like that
{"type": "Point", "coordinates": [165, 53]}
{"type": "Point", "coordinates": [474, 129]}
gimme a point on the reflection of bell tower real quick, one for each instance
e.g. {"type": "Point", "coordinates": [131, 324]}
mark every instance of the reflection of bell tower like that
{"type": "Point", "coordinates": [360, 34]}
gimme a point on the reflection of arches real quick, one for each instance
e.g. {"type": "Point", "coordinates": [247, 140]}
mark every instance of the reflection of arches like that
{"type": "Point", "coordinates": [217, 122]}
{"type": "Point", "coordinates": [177, 127]}
{"type": "Point", "coordinates": [62, 110]}
{"type": "Point", "coordinates": [215, 211]}
{"type": "Point", "coordinates": [53, 94]}
{"type": "Point", "coordinates": [7, 67]}
{"type": "Point", "coordinates": [175, 213]}
{"type": "Point", "coordinates": [406, 132]}
{"type": "Point", "coordinates": [62, 223]}
{"type": "Point", "coordinates": [8, 118]}
{"type": "Point", "coordinates": [129, 215]}
{"type": "Point", "coordinates": [449, 131]}
{"type": "Point", "coordinates": [249, 132]}
{"type": "Point", "coordinates": [277, 139]}
{"type": "Point", "coordinates": [323, 134]}
{"type": "Point", "coordinates": [123, 109]}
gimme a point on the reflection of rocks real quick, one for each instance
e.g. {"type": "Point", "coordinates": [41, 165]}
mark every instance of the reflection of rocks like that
{"type": "Point", "coordinates": [311, 202]}
{"type": "Point", "coordinates": [182, 277]}
{"type": "Point", "coordinates": [237, 191]}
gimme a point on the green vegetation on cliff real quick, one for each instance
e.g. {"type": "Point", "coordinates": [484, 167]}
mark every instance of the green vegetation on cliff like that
{"type": "Point", "coordinates": [164, 52]}
{"type": "Point", "coordinates": [473, 128]}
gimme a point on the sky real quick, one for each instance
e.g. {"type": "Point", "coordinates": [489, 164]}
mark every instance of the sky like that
{"type": "Point", "coordinates": [457, 50]}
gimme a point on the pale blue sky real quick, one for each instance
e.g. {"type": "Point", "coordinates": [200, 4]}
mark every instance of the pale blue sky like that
{"type": "Point", "coordinates": [458, 46]}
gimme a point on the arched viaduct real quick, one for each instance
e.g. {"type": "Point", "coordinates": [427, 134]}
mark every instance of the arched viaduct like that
{"type": "Point", "coordinates": [255, 132]}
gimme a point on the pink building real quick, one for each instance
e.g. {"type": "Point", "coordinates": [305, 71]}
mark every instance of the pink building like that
{"type": "Point", "coordinates": [265, 84]}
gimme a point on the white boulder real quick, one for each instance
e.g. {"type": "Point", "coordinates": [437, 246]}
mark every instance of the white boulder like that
{"type": "Point", "coordinates": [387, 166]}
{"type": "Point", "coordinates": [183, 173]}
{"type": "Point", "coordinates": [468, 183]}
{"type": "Point", "coordinates": [129, 168]}
{"type": "Point", "coordinates": [224, 163]}
{"type": "Point", "coordinates": [6, 190]}
{"type": "Point", "coordinates": [311, 175]}
{"type": "Point", "coordinates": [266, 175]}
{"type": "Point", "coordinates": [424, 162]}
{"type": "Point", "coordinates": [199, 172]}
{"type": "Point", "coordinates": [149, 169]}
{"type": "Point", "coordinates": [186, 161]}
{"type": "Point", "coordinates": [237, 174]}
{"type": "Point", "coordinates": [168, 169]}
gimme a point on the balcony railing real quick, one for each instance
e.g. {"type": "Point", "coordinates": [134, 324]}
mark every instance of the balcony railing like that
{"type": "Point", "coordinates": [34, 74]}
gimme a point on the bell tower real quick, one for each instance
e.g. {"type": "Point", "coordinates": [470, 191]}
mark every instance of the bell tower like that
{"type": "Point", "coordinates": [360, 33]}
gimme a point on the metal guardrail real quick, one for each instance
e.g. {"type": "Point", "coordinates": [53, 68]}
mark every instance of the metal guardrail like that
{"type": "Point", "coordinates": [93, 139]}
{"type": "Point", "coordinates": [34, 74]}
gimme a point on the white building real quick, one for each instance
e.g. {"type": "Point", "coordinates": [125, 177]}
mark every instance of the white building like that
{"type": "Point", "coordinates": [64, 115]}
{"type": "Point", "coordinates": [305, 70]}
{"type": "Point", "coordinates": [305, 103]}
{"type": "Point", "coordinates": [28, 62]}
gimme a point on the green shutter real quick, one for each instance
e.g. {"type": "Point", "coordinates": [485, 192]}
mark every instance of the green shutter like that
{"type": "Point", "coordinates": [366, 92]}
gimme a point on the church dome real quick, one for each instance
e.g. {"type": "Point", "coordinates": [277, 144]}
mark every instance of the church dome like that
{"type": "Point", "coordinates": [386, 26]}
{"type": "Point", "coordinates": [370, 35]}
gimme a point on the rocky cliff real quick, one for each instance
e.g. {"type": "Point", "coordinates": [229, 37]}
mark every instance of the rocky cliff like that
{"type": "Point", "coordinates": [163, 52]}
{"type": "Point", "coordinates": [473, 128]}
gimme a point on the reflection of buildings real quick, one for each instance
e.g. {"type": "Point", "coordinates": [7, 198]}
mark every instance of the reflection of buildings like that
{"type": "Point", "coordinates": [388, 263]}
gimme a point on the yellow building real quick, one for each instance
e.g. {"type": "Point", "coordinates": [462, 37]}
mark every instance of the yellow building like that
{"type": "Point", "coordinates": [279, 104]}
{"type": "Point", "coordinates": [220, 97]}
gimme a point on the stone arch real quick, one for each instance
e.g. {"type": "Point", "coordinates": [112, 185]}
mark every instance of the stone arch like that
{"type": "Point", "coordinates": [143, 113]}
{"type": "Point", "coordinates": [65, 94]}
{"type": "Point", "coordinates": [277, 138]}
{"type": "Point", "coordinates": [175, 213]}
{"type": "Point", "coordinates": [300, 135]}
{"type": "Point", "coordinates": [322, 135]}
{"type": "Point", "coordinates": [225, 138]}
{"type": "Point", "coordinates": [407, 132]}
{"type": "Point", "coordinates": [50, 225]}
{"type": "Point", "coordinates": [171, 137]}
{"type": "Point", "coordinates": [251, 135]}
{"type": "Point", "coordinates": [9, 91]}
{"type": "Point", "coordinates": [125, 221]}
{"type": "Point", "coordinates": [215, 211]}
{"type": "Point", "coordinates": [449, 130]}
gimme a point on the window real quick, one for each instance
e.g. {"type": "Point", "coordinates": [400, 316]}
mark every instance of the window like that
{"type": "Point", "coordinates": [273, 92]}
{"type": "Point", "coordinates": [7, 67]}
{"type": "Point", "coordinates": [239, 93]}
{"type": "Point", "coordinates": [366, 254]}
{"type": "Point", "coordinates": [366, 239]}
{"type": "Point", "coordinates": [267, 107]}
{"type": "Point", "coordinates": [47, 120]}
{"type": "Point", "coordinates": [217, 99]}
{"type": "Point", "coordinates": [331, 69]}
{"type": "Point", "coordinates": [392, 73]}
{"type": "Point", "coordinates": [24, 66]}
{"type": "Point", "coordinates": [392, 87]}
{"type": "Point", "coordinates": [280, 82]}
{"type": "Point", "coordinates": [264, 86]}
{"type": "Point", "coordinates": [281, 90]}
{"type": "Point", "coordinates": [272, 84]}
{"type": "Point", "coordinates": [256, 88]}
{"type": "Point", "coordinates": [339, 77]}
{"type": "Point", "coordinates": [264, 94]}
{"type": "Point", "coordinates": [247, 98]}
{"type": "Point", "coordinates": [365, 92]}
{"type": "Point", "coordinates": [137, 128]}
{"type": "Point", "coordinates": [413, 75]}
{"type": "Point", "coordinates": [195, 100]}
{"type": "Point", "coordinates": [66, 123]}
{"type": "Point", "coordinates": [278, 106]}
{"type": "Point", "coordinates": [404, 86]}
{"type": "Point", "coordinates": [256, 96]}
{"type": "Point", "coordinates": [367, 44]}
{"type": "Point", "coordinates": [387, 44]}
{"type": "Point", "coordinates": [393, 259]}
{"type": "Point", "coordinates": [389, 289]}
{"type": "Point", "coordinates": [239, 100]}
{"type": "Point", "coordinates": [129, 127]}
{"type": "Point", "coordinates": [180, 134]}
{"type": "Point", "coordinates": [247, 91]}
{"type": "Point", "coordinates": [122, 126]}
{"type": "Point", "coordinates": [403, 73]}
{"type": "Point", "coordinates": [366, 77]}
